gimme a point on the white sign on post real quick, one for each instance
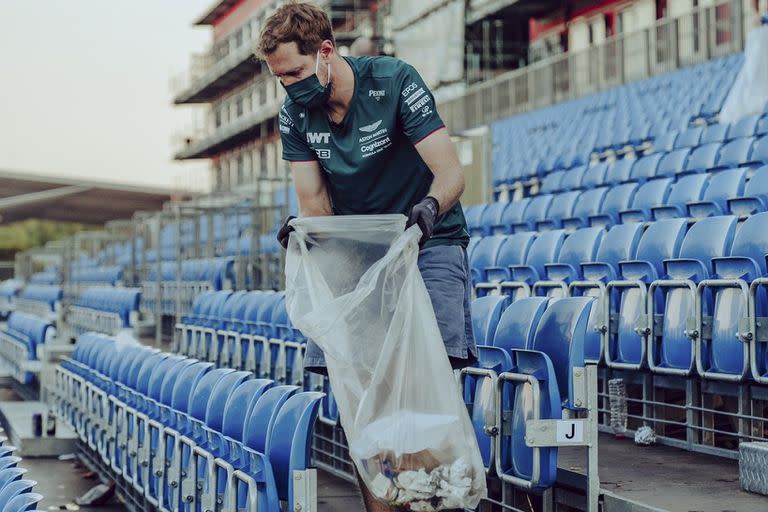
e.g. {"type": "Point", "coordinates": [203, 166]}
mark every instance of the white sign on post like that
{"type": "Point", "coordinates": [570, 432]}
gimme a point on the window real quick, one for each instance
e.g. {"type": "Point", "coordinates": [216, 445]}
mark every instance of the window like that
{"type": "Point", "coordinates": [239, 106]}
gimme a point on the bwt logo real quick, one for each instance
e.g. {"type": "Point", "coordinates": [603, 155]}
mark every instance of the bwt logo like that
{"type": "Point", "coordinates": [318, 138]}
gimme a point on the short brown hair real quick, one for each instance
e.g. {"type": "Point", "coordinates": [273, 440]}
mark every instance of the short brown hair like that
{"type": "Point", "coordinates": [300, 23]}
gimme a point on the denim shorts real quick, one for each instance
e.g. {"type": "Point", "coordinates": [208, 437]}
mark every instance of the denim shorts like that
{"type": "Point", "coordinates": [445, 270]}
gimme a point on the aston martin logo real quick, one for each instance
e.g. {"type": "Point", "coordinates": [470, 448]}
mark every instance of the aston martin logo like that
{"type": "Point", "coordinates": [370, 127]}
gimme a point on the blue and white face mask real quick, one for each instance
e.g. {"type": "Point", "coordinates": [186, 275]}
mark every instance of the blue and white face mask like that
{"type": "Point", "coordinates": [309, 92]}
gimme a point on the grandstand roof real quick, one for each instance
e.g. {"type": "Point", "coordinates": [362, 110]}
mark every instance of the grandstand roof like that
{"type": "Point", "coordinates": [25, 195]}
{"type": "Point", "coordinates": [216, 11]}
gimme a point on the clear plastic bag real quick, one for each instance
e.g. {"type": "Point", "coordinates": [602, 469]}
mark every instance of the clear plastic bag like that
{"type": "Point", "coordinates": [353, 287]}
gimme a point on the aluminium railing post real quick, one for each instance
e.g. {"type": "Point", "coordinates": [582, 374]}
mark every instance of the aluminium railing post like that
{"type": "Point", "coordinates": [178, 251]}
{"type": "Point", "coordinates": [158, 282]}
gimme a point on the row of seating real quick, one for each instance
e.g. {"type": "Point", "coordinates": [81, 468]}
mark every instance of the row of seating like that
{"type": "Point", "coordinates": [9, 289]}
{"type": "Point", "coordinates": [251, 331]}
{"type": "Point", "coordinates": [19, 343]}
{"type": "Point", "coordinates": [186, 435]}
{"type": "Point", "coordinates": [743, 152]}
{"type": "Point", "coordinates": [530, 343]}
{"type": "Point", "coordinates": [572, 133]}
{"type": "Point", "coordinates": [98, 276]}
{"type": "Point", "coordinates": [47, 277]}
{"type": "Point", "coordinates": [736, 191]}
{"type": "Point", "coordinates": [16, 492]}
{"type": "Point", "coordinates": [670, 296]}
{"type": "Point", "coordinates": [41, 300]}
{"type": "Point", "coordinates": [104, 309]}
{"type": "Point", "coordinates": [196, 276]}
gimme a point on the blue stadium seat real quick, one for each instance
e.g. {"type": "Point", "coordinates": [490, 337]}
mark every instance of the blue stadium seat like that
{"type": "Point", "coordinates": [721, 355]}
{"type": "Point", "coordinates": [660, 242]}
{"type": "Point", "coordinates": [703, 158]}
{"type": "Point", "coordinates": [620, 171]}
{"type": "Point", "coordinates": [671, 351]}
{"type": "Point", "coordinates": [551, 182]}
{"type": "Point", "coordinates": [535, 211]}
{"type": "Point", "coordinates": [755, 197]}
{"type": "Point", "coordinates": [590, 202]}
{"type": "Point", "coordinates": [545, 249]}
{"type": "Point", "coordinates": [573, 178]}
{"type": "Point", "coordinates": [762, 126]}
{"type": "Point", "coordinates": [714, 133]}
{"type": "Point", "coordinates": [485, 255]}
{"type": "Point", "coordinates": [515, 330]}
{"type": "Point", "coordinates": [511, 216]}
{"type": "Point", "coordinates": [486, 312]}
{"type": "Point", "coordinates": [722, 186]}
{"type": "Point", "coordinates": [594, 176]}
{"type": "Point", "coordinates": [650, 194]}
{"type": "Point", "coordinates": [646, 168]}
{"type": "Point", "coordinates": [473, 214]}
{"type": "Point", "coordinates": [760, 151]}
{"type": "Point", "coordinates": [513, 252]}
{"type": "Point", "coordinates": [689, 138]}
{"type": "Point", "coordinates": [616, 200]}
{"type": "Point", "coordinates": [688, 189]}
{"type": "Point", "coordinates": [664, 143]}
{"type": "Point", "coordinates": [491, 217]}
{"type": "Point", "coordinates": [561, 208]}
{"type": "Point", "coordinates": [619, 244]}
{"type": "Point", "coordinates": [671, 164]}
{"type": "Point", "coordinates": [735, 153]}
{"type": "Point", "coordinates": [744, 127]}
{"type": "Point", "coordinates": [579, 247]}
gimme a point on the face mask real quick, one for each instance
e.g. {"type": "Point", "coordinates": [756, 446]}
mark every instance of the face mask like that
{"type": "Point", "coordinates": [309, 92]}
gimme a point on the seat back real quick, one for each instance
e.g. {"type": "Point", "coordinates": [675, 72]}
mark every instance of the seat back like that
{"type": "Point", "coordinates": [744, 127]}
{"type": "Point", "coordinates": [703, 158]}
{"type": "Point", "coordinates": [289, 447]}
{"type": "Point", "coordinates": [544, 249]}
{"type": "Point", "coordinates": [620, 171]}
{"type": "Point", "coordinates": [239, 405]}
{"type": "Point", "coordinates": [513, 214]}
{"type": "Point", "coordinates": [689, 138]}
{"type": "Point", "coordinates": [590, 202]}
{"type": "Point", "coordinates": [580, 246]}
{"type": "Point", "coordinates": [736, 152]}
{"type": "Point", "coordinates": [672, 163]}
{"type": "Point", "coordinates": [594, 176]}
{"type": "Point", "coordinates": [652, 193]}
{"type": "Point", "coordinates": [646, 167]}
{"type": "Point", "coordinates": [560, 335]}
{"type": "Point", "coordinates": [259, 423]}
{"type": "Point", "coordinates": [486, 312]}
{"type": "Point", "coordinates": [185, 387]}
{"type": "Point", "coordinates": [484, 255]}
{"type": "Point", "coordinates": [551, 182]}
{"type": "Point", "coordinates": [714, 133]}
{"type": "Point", "coordinates": [517, 324]}
{"type": "Point", "coordinates": [222, 390]}
{"type": "Point", "coordinates": [573, 178]}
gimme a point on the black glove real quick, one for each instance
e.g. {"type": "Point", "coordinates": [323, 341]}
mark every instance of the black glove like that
{"type": "Point", "coordinates": [285, 232]}
{"type": "Point", "coordinates": [424, 214]}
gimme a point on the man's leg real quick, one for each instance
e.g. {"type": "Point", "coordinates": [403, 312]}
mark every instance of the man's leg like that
{"type": "Point", "coordinates": [370, 502]}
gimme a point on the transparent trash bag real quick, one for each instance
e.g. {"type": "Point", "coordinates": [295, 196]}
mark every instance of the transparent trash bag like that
{"type": "Point", "coordinates": [353, 286]}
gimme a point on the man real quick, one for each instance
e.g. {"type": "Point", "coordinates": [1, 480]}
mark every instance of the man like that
{"type": "Point", "coordinates": [362, 136]}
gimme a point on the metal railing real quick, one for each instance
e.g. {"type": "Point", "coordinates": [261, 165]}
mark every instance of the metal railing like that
{"type": "Point", "coordinates": [700, 35]}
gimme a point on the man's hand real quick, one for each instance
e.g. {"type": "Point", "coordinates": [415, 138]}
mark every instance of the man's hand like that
{"type": "Point", "coordinates": [285, 232]}
{"type": "Point", "coordinates": [424, 214]}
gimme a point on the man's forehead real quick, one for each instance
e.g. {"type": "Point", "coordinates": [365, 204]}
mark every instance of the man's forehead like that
{"type": "Point", "coordinates": [286, 57]}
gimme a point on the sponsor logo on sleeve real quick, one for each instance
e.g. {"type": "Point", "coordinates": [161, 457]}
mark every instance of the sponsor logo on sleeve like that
{"type": "Point", "coordinates": [420, 104]}
{"type": "Point", "coordinates": [413, 97]}
{"type": "Point", "coordinates": [318, 137]}
{"type": "Point", "coordinates": [409, 89]}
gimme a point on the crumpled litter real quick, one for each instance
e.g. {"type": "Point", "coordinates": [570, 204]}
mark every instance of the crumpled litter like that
{"type": "Point", "coordinates": [645, 436]}
{"type": "Point", "coordinates": [446, 486]}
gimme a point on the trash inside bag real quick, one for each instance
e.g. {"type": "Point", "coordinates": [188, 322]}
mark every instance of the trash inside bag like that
{"type": "Point", "coordinates": [353, 287]}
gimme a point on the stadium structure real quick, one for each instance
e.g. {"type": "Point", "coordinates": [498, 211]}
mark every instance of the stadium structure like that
{"type": "Point", "coordinates": [619, 246]}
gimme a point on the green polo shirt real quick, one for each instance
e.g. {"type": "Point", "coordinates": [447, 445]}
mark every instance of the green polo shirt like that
{"type": "Point", "coordinates": [371, 165]}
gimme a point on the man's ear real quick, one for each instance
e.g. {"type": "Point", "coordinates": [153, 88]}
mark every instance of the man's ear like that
{"type": "Point", "coordinates": [326, 49]}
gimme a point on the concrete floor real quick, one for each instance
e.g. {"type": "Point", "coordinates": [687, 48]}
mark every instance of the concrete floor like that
{"type": "Point", "coordinates": [667, 478]}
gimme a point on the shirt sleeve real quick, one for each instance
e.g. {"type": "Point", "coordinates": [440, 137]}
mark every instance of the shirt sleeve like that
{"type": "Point", "coordinates": [295, 147]}
{"type": "Point", "coordinates": [417, 108]}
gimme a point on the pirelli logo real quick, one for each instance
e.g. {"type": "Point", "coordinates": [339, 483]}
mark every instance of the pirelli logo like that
{"type": "Point", "coordinates": [419, 104]}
